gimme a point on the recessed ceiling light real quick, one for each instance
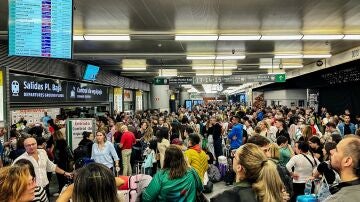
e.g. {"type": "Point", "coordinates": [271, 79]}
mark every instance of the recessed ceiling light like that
{"type": "Point", "coordinates": [78, 38]}
{"type": "Point", "coordinates": [317, 56]}
{"type": "Point", "coordinates": [212, 67]}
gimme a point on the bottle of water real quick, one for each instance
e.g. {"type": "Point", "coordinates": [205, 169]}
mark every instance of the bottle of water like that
{"type": "Point", "coordinates": [308, 186]}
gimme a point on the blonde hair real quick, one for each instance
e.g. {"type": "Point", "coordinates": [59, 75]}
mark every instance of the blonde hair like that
{"type": "Point", "coordinates": [118, 126]}
{"type": "Point", "coordinates": [13, 182]}
{"type": "Point", "coordinates": [58, 135]}
{"type": "Point", "coordinates": [274, 151]}
{"type": "Point", "coordinates": [261, 173]}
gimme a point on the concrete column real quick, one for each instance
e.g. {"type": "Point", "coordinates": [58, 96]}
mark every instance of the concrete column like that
{"type": "Point", "coordinates": [160, 97]}
{"type": "Point", "coordinates": [184, 95]}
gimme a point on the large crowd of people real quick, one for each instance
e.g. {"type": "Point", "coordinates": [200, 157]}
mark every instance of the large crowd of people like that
{"type": "Point", "coordinates": [276, 154]}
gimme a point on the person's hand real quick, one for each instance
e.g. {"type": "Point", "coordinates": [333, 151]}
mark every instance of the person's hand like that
{"type": "Point", "coordinates": [285, 195]}
{"type": "Point", "coordinates": [295, 176]}
{"type": "Point", "coordinates": [68, 175]}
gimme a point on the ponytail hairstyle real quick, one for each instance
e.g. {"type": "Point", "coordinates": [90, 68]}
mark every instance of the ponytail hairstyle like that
{"type": "Point", "coordinates": [261, 173]}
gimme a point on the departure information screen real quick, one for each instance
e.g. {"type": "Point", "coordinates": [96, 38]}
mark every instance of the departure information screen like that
{"type": "Point", "coordinates": [40, 28]}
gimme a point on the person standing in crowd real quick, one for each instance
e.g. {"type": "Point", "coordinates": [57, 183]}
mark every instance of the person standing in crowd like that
{"type": "Point", "coordinates": [94, 182]}
{"type": "Point", "coordinates": [236, 134]}
{"type": "Point", "coordinates": [61, 158]}
{"type": "Point", "coordinates": [217, 141]}
{"type": "Point", "coordinates": [304, 164]}
{"type": "Point", "coordinates": [41, 163]}
{"type": "Point", "coordinates": [45, 119]}
{"type": "Point", "coordinates": [285, 150]}
{"type": "Point", "coordinates": [87, 142]}
{"type": "Point", "coordinates": [316, 148]}
{"type": "Point", "coordinates": [282, 130]}
{"type": "Point", "coordinates": [346, 127]}
{"type": "Point", "coordinates": [16, 184]}
{"type": "Point", "coordinates": [195, 156]}
{"type": "Point", "coordinates": [126, 144]}
{"type": "Point", "coordinates": [103, 152]}
{"type": "Point", "coordinates": [163, 143]}
{"type": "Point", "coordinates": [256, 176]}
{"type": "Point", "coordinates": [176, 181]}
{"type": "Point", "coordinates": [345, 160]}
{"type": "Point", "coordinates": [39, 192]}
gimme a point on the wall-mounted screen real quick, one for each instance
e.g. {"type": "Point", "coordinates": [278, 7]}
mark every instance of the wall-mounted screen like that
{"type": "Point", "coordinates": [91, 71]}
{"type": "Point", "coordinates": [40, 28]}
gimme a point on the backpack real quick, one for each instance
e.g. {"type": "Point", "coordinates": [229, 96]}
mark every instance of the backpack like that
{"type": "Point", "coordinates": [214, 173]}
{"type": "Point", "coordinates": [81, 152]}
{"type": "Point", "coordinates": [286, 179]}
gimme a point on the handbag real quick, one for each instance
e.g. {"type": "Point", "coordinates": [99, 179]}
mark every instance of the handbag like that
{"type": "Point", "coordinates": [324, 190]}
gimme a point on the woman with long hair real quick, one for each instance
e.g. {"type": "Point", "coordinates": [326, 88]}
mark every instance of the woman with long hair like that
{"type": "Point", "coordinates": [16, 184]}
{"type": "Point", "coordinates": [306, 134]}
{"type": "Point", "coordinates": [257, 177]}
{"type": "Point", "coordinates": [163, 143]}
{"type": "Point", "coordinates": [94, 182]}
{"type": "Point", "coordinates": [176, 181]}
{"type": "Point", "coordinates": [61, 157]}
{"type": "Point", "coordinates": [104, 152]}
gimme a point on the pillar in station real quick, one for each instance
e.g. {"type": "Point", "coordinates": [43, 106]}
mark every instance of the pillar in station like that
{"type": "Point", "coordinates": [160, 97]}
{"type": "Point", "coordinates": [184, 95]}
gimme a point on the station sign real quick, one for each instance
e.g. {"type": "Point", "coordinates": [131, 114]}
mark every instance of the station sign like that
{"type": "Point", "coordinates": [234, 79]}
{"type": "Point", "coordinates": [31, 89]}
{"type": "Point", "coordinates": [86, 92]}
{"type": "Point", "coordinates": [25, 89]}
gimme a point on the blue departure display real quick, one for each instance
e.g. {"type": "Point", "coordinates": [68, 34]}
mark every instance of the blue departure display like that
{"type": "Point", "coordinates": [91, 72]}
{"type": "Point", "coordinates": [40, 28]}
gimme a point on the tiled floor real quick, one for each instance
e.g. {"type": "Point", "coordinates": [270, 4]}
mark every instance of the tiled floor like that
{"type": "Point", "coordinates": [219, 187]}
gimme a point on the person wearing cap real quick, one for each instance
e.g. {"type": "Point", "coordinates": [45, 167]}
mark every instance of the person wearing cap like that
{"type": "Point", "coordinates": [236, 134]}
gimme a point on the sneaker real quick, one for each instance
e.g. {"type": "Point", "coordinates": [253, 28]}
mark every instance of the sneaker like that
{"type": "Point", "coordinates": [56, 194]}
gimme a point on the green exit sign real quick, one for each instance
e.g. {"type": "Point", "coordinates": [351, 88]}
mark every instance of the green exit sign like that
{"type": "Point", "coordinates": [161, 81]}
{"type": "Point", "coordinates": [280, 78]}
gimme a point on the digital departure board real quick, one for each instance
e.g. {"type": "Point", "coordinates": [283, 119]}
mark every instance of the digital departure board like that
{"type": "Point", "coordinates": [40, 28]}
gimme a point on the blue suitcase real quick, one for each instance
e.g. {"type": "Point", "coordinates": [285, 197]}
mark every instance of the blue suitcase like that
{"type": "Point", "coordinates": [306, 198]}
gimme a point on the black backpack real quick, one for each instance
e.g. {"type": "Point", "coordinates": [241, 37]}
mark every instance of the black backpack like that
{"type": "Point", "coordinates": [286, 179]}
{"type": "Point", "coordinates": [81, 152]}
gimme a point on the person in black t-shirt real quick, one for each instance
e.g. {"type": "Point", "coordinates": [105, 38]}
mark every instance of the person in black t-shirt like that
{"type": "Point", "coordinates": [316, 148]}
{"type": "Point", "coordinates": [282, 130]}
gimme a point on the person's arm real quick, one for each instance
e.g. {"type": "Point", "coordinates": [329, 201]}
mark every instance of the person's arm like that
{"type": "Point", "coordinates": [62, 172]}
{"type": "Point", "coordinates": [153, 190]}
{"type": "Point", "coordinates": [66, 195]}
{"type": "Point", "coordinates": [232, 132]}
{"type": "Point", "coordinates": [290, 164]}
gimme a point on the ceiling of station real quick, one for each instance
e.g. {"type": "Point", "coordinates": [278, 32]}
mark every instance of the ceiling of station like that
{"type": "Point", "coordinates": [152, 26]}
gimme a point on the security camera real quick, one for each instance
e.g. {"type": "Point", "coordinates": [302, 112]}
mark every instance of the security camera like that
{"type": "Point", "coordinates": [233, 51]}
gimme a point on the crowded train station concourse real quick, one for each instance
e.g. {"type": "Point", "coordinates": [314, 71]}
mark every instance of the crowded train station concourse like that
{"type": "Point", "coordinates": [178, 100]}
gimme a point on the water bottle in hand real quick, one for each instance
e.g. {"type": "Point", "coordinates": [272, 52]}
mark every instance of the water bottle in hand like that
{"type": "Point", "coordinates": [308, 186]}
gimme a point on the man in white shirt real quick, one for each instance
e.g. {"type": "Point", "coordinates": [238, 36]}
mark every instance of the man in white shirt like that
{"type": "Point", "coordinates": [41, 163]}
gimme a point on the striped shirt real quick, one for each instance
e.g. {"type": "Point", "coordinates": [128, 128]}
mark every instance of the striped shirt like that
{"type": "Point", "coordinates": [40, 195]}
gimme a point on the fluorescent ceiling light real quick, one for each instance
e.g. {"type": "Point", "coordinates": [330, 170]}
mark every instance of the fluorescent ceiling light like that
{"type": "Point", "coordinates": [214, 74]}
{"type": "Point", "coordinates": [317, 56]}
{"type": "Point", "coordinates": [134, 63]}
{"type": "Point", "coordinates": [212, 67]}
{"type": "Point", "coordinates": [78, 37]}
{"type": "Point", "coordinates": [198, 37]}
{"type": "Point", "coordinates": [288, 56]}
{"type": "Point", "coordinates": [107, 37]}
{"type": "Point", "coordinates": [230, 57]}
{"type": "Point", "coordinates": [168, 72]}
{"type": "Point", "coordinates": [292, 66]}
{"type": "Point", "coordinates": [352, 37]}
{"type": "Point", "coordinates": [323, 37]}
{"type": "Point", "coordinates": [200, 57]}
{"type": "Point", "coordinates": [133, 68]}
{"type": "Point", "coordinates": [281, 37]}
{"type": "Point", "coordinates": [238, 37]}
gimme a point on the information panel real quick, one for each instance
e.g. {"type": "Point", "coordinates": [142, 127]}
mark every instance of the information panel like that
{"type": "Point", "coordinates": [40, 28]}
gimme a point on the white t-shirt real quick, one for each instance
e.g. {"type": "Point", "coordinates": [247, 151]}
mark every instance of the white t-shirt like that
{"type": "Point", "coordinates": [302, 167]}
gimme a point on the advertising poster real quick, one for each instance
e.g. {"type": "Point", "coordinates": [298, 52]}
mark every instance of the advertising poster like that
{"type": "Point", "coordinates": [128, 96]}
{"type": "Point", "coordinates": [139, 100]}
{"type": "Point", "coordinates": [118, 99]}
{"type": "Point", "coordinates": [34, 115]}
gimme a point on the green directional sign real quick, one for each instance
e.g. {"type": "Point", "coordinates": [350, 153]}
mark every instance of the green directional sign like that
{"type": "Point", "coordinates": [161, 81]}
{"type": "Point", "coordinates": [280, 78]}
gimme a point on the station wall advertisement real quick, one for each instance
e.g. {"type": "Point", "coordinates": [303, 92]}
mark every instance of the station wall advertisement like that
{"type": "Point", "coordinates": [25, 89]}
{"type": "Point", "coordinates": [118, 99]}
